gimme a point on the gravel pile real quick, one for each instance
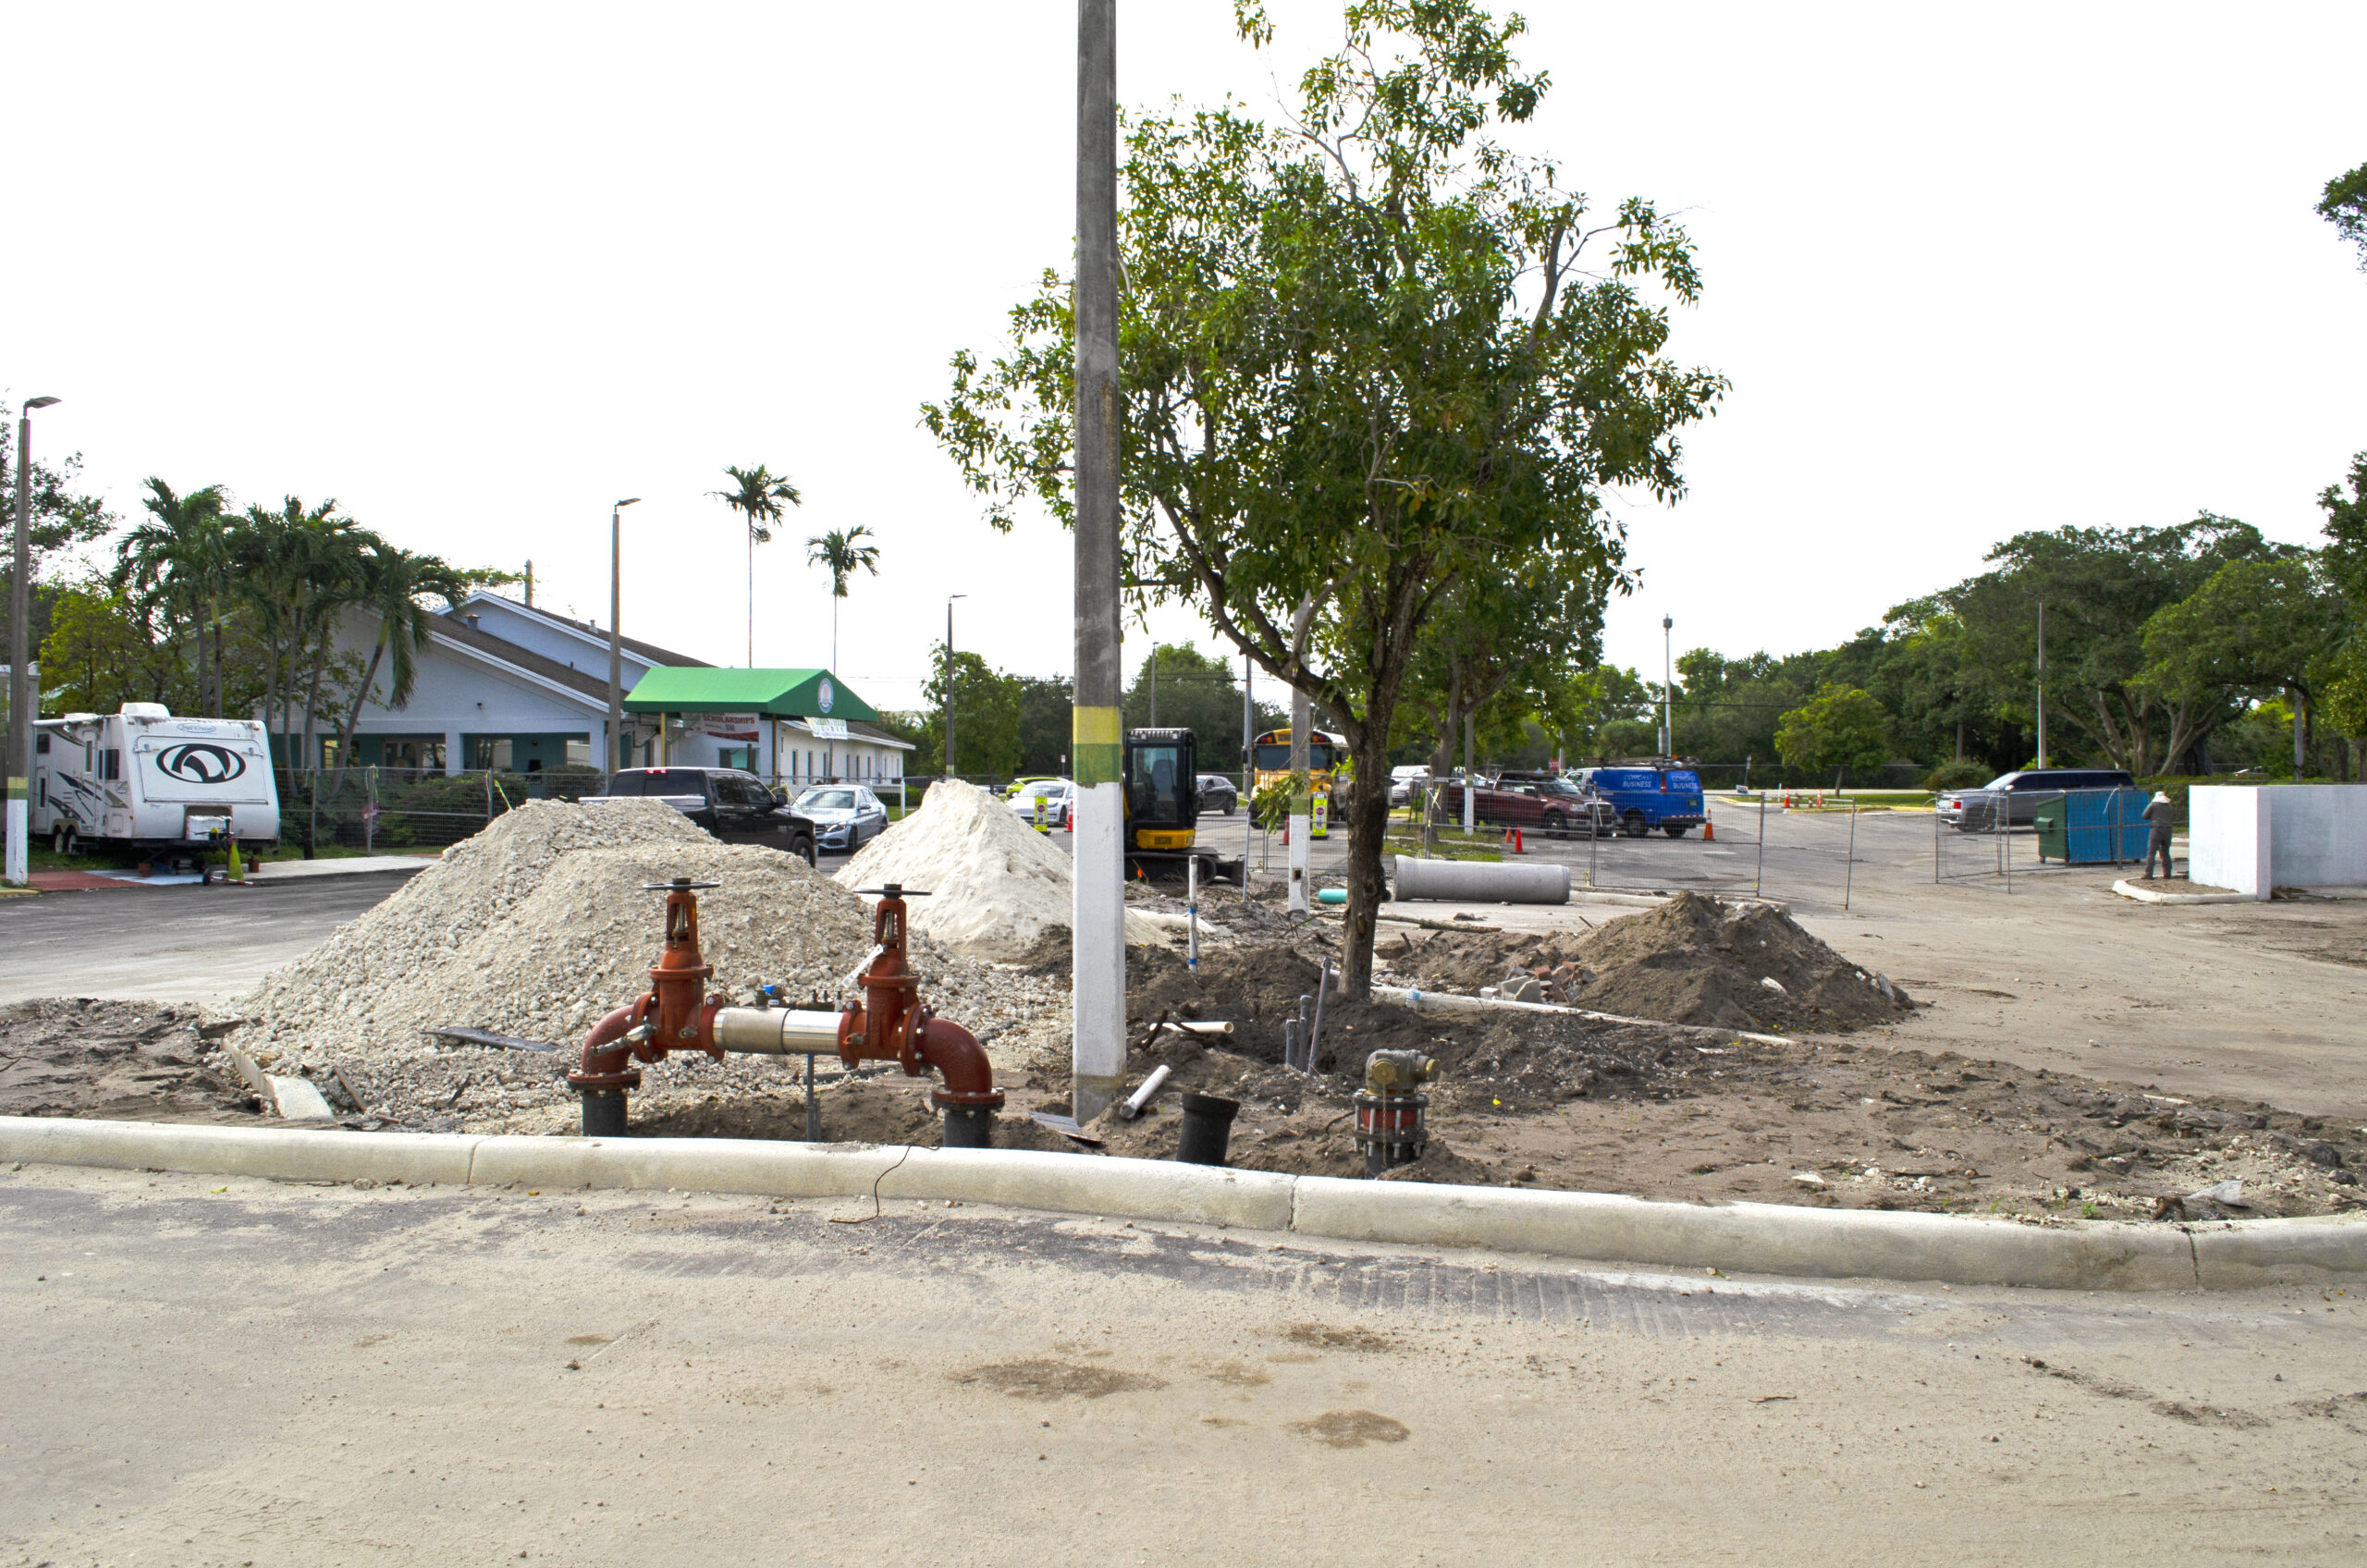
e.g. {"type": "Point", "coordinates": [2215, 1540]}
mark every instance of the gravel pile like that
{"type": "Point", "coordinates": [995, 884]}
{"type": "Point", "coordinates": [537, 926]}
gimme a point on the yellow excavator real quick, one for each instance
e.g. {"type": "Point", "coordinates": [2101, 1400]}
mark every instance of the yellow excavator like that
{"type": "Point", "coordinates": [1162, 789]}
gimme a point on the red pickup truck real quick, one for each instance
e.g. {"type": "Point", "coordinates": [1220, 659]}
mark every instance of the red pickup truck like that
{"type": "Point", "coordinates": [1553, 806]}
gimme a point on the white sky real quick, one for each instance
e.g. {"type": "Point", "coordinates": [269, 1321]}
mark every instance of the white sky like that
{"type": "Point", "coordinates": [478, 273]}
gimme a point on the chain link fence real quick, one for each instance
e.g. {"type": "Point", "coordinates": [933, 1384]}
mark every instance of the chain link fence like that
{"type": "Point", "coordinates": [2001, 836]}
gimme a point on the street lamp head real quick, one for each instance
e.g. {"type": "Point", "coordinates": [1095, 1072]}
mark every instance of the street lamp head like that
{"type": "Point", "coordinates": [950, 597]}
{"type": "Point", "coordinates": [628, 501]}
{"type": "Point", "coordinates": [33, 403]}
{"type": "Point", "coordinates": [1666, 623]}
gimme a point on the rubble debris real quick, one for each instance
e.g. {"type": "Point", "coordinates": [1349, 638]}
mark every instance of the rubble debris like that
{"type": "Point", "coordinates": [539, 925]}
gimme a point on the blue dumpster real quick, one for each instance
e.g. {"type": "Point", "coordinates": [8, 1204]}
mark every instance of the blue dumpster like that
{"type": "Point", "coordinates": [2095, 826]}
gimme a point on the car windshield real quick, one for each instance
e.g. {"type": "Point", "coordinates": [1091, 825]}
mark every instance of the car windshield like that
{"type": "Point", "coordinates": [1036, 790]}
{"type": "Point", "coordinates": [2002, 781]}
{"type": "Point", "coordinates": [826, 800]}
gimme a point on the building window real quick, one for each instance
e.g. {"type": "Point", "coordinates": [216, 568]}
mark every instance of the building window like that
{"type": "Point", "coordinates": [492, 754]}
{"type": "Point", "coordinates": [579, 753]}
{"type": "Point", "coordinates": [423, 755]}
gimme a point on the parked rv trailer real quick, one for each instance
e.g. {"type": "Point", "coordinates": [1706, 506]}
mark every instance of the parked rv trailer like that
{"type": "Point", "coordinates": [144, 779]}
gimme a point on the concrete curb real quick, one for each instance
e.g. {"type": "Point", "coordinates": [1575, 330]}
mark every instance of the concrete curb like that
{"type": "Point", "coordinates": [2128, 889]}
{"type": "Point", "coordinates": [1738, 1238]}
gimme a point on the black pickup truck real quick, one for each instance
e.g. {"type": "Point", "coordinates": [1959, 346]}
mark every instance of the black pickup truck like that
{"type": "Point", "coordinates": [734, 806]}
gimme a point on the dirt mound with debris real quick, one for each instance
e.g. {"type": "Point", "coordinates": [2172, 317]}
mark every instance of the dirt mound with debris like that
{"type": "Point", "coordinates": [537, 926]}
{"type": "Point", "coordinates": [119, 1060]}
{"type": "Point", "coordinates": [1255, 989]}
{"type": "Point", "coordinates": [1690, 960]}
{"type": "Point", "coordinates": [994, 884]}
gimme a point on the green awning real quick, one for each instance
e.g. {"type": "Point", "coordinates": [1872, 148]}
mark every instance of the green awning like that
{"type": "Point", "coordinates": [768, 693]}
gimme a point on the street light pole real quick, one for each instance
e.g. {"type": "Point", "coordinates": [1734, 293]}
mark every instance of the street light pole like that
{"type": "Point", "coordinates": [949, 680]}
{"type": "Point", "coordinates": [1668, 682]}
{"type": "Point", "coordinates": [615, 638]}
{"type": "Point", "coordinates": [21, 696]}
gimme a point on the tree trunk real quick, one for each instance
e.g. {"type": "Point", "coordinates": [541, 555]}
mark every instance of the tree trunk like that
{"type": "Point", "coordinates": [353, 714]}
{"type": "Point", "coordinates": [1367, 832]}
{"type": "Point", "coordinates": [2300, 730]}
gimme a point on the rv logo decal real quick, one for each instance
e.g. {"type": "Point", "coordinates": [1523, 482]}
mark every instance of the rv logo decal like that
{"type": "Point", "coordinates": [196, 762]}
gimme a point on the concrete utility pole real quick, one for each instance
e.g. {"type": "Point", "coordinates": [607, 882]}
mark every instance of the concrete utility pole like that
{"type": "Point", "coordinates": [1099, 984]}
{"type": "Point", "coordinates": [23, 696]}
{"type": "Point", "coordinates": [949, 680]}
{"type": "Point", "coordinates": [615, 638]}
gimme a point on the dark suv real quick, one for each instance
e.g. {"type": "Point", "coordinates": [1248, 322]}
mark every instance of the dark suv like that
{"type": "Point", "coordinates": [734, 806]}
{"type": "Point", "coordinates": [2016, 797]}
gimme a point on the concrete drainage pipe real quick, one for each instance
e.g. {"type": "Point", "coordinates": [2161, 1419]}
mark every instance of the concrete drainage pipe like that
{"type": "Point", "coordinates": [1481, 882]}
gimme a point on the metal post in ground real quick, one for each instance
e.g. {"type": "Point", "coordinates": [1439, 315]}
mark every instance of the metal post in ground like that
{"type": "Point", "coordinates": [1935, 841]}
{"type": "Point", "coordinates": [1098, 987]}
{"type": "Point", "coordinates": [1759, 878]}
{"type": "Point", "coordinates": [1302, 817]}
{"type": "Point", "coordinates": [812, 1110]}
{"type": "Point", "coordinates": [1849, 870]}
{"type": "Point", "coordinates": [1594, 836]}
{"type": "Point", "coordinates": [1192, 914]}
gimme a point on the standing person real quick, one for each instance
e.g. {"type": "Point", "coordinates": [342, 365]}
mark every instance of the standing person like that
{"type": "Point", "coordinates": [2158, 811]}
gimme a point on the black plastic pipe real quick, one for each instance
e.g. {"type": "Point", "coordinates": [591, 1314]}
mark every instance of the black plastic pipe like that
{"type": "Point", "coordinates": [1208, 1127]}
{"type": "Point", "coordinates": [604, 1113]}
{"type": "Point", "coordinates": [969, 1127]}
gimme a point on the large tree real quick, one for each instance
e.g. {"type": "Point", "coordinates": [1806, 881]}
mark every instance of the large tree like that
{"type": "Point", "coordinates": [2344, 204]}
{"type": "Point", "coordinates": [2099, 586]}
{"type": "Point", "coordinates": [2256, 627]}
{"type": "Point", "coordinates": [1364, 354]}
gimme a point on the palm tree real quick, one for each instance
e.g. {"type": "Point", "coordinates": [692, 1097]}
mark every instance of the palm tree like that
{"type": "Point", "coordinates": [842, 551]}
{"type": "Point", "coordinates": [758, 499]}
{"type": "Point", "coordinates": [178, 560]}
{"type": "Point", "coordinates": [395, 584]}
{"type": "Point", "coordinates": [296, 567]}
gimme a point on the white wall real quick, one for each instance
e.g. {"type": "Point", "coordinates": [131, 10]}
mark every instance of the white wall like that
{"type": "Point", "coordinates": [2255, 840]}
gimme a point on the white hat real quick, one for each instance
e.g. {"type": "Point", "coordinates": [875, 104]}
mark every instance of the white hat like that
{"type": "Point", "coordinates": [2161, 796]}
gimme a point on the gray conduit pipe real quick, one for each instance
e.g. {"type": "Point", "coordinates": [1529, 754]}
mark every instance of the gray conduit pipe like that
{"type": "Point", "coordinates": [1481, 881]}
{"type": "Point", "coordinates": [1448, 1001]}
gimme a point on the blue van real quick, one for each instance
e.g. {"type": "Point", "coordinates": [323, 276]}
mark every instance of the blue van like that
{"type": "Point", "coordinates": [1645, 797]}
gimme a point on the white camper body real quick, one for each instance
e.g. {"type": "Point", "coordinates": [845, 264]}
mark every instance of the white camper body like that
{"type": "Point", "coordinates": [142, 779]}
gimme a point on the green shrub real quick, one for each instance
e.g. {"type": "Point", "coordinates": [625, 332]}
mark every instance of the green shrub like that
{"type": "Point", "coordinates": [1956, 775]}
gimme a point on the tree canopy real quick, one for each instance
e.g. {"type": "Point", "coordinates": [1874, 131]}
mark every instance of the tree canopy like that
{"type": "Point", "coordinates": [1363, 353]}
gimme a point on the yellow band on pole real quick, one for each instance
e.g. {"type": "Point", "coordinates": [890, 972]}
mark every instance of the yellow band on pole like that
{"type": "Point", "coordinates": [1097, 738]}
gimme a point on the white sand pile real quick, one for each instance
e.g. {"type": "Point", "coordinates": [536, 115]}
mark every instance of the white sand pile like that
{"type": "Point", "coordinates": [994, 884]}
{"type": "Point", "coordinates": [539, 925]}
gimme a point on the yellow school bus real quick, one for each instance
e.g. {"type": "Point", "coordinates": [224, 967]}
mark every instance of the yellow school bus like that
{"type": "Point", "coordinates": [1326, 762]}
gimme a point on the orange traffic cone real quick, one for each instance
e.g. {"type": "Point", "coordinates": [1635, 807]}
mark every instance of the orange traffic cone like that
{"type": "Point", "coordinates": [1709, 831]}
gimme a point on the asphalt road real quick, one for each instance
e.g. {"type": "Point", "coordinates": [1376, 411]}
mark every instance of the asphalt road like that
{"type": "Point", "coordinates": [186, 943]}
{"type": "Point", "coordinates": [225, 1371]}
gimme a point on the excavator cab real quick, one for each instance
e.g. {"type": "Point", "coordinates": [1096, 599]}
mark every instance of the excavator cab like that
{"type": "Point", "coordinates": [1162, 783]}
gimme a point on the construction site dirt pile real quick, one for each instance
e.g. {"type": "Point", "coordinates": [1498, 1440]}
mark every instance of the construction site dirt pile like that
{"type": "Point", "coordinates": [994, 884]}
{"type": "Point", "coordinates": [1690, 960]}
{"type": "Point", "coordinates": [539, 926]}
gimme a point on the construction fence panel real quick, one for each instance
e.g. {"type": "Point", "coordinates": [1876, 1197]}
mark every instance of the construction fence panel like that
{"type": "Point", "coordinates": [389, 810]}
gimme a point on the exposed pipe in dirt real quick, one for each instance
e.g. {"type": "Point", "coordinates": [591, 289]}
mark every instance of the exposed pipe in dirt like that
{"type": "Point", "coordinates": [1142, 1096]}
{"type": "Point", "coordinates": [1449, 1001]}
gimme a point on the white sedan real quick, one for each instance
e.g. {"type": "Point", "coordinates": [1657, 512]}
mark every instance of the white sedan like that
{"type": "Point", "coordinates": [1044, 804]}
